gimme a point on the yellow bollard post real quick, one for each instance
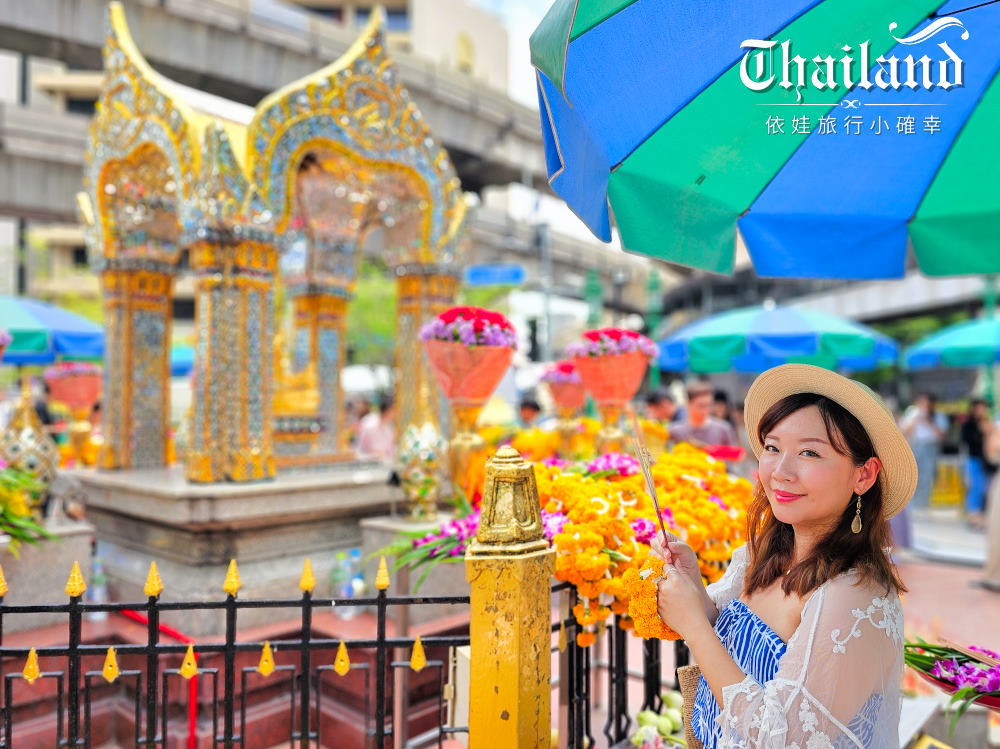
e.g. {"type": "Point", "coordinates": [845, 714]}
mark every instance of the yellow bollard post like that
{"type": "Point", "coordinates": [509, 568]}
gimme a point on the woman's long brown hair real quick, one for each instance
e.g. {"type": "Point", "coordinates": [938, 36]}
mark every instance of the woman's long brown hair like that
{"type": "Point", "coordinates": [771, 542]}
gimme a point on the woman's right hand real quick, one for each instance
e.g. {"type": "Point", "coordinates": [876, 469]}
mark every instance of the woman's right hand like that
{"type": "Point", "coordinates": [679, 554]}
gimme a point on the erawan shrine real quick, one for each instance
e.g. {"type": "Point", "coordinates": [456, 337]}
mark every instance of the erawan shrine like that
{"type": "Point", "coordinates": [625, 563]}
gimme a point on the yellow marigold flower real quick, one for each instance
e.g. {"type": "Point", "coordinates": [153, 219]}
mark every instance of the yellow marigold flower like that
{"type": "Point", "coordinates": [17, 503]}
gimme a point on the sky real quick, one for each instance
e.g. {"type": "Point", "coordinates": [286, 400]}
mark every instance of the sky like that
{"type": "Point", "coordinates": [520, 17]}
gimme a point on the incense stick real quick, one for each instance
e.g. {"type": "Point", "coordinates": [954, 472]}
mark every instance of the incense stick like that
{"type": "Point", "coordinates": [976, 656]}
{"type": "Point", "coordinates": [642, 454]}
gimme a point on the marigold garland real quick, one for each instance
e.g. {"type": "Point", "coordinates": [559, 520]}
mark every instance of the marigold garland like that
{"type": "Point", "coordinates": [642, 608]}
{"type": "Point", "coordinates": [600, 520]}
{"type": "Point", "coordinates": [610, 521]}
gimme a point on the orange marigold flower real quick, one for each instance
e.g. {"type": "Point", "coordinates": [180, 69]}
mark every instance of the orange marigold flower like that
{"type": "Point", "coordinates": [642, 602]}
{"type": "Point", "coordinates": [590, 588]}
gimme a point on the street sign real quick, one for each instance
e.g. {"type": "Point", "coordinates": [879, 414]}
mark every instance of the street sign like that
{"type": "Point", "coordinates": [494, 275]}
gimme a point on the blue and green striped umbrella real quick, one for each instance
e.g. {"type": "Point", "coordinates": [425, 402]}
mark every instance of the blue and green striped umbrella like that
{"type": "Point", "coordinates": [645, 116]}
{"type": "Point", "coordinates": [42, 333]}
{"type": "Point", "coordinates": [753, 339]}
{"type": "Point", "coordinates": [967, 344]}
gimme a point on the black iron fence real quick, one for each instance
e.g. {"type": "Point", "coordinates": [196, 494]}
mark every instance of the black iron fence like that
{"type": "Point", "coordinates": [219, 690]}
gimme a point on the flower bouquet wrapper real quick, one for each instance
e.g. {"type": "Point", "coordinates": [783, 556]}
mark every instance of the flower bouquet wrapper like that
{"type": "Point", "coordinates": [612, 379]}
{"type": "Point", "coordinates": [969, 674]}
{"type": "Point", "coordinates": [78, 390]}
{"type": "Point", "coordinates": [568, 396]}
{"type": "Point", "coordinates": [986, 701]}
{"type": "Point", "coordinates": [468, 375]}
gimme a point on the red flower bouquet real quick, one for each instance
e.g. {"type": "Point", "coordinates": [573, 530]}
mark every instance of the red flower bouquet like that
{"type": "Point", "coordinates": [77, 384]}
{"type": "Point", "coordinates": [612, 363]}
{"type": "Point", "coordinates": [565, 385]}
{"type": "Point", "coordinates": [469, 350]}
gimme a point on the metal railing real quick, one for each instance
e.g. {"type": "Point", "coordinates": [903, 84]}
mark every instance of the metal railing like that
{"type": "Point", "coordinates": [217, 695]}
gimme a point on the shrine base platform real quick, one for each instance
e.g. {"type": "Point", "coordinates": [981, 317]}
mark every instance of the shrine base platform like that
{"type": "Point", "coordinates": [192, 531]}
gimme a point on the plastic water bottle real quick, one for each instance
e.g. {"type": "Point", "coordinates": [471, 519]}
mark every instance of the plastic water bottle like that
{"type": "Point", "coordinates": [97, 591]}
{"type": "Point", "coordinates": [343, 588]}
{"type": "Point", "coordinates": [358, 587]}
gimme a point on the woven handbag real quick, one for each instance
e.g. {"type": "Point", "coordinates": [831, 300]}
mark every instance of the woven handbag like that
{"type": "Point", "coordinates": [688, 677]}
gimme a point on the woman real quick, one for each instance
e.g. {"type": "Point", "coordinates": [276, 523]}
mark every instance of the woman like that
{"type": "Point", "coordinates": [924, 428]}
{"type": "Point", "coordinates": [977, 468]}
{"type": "Point", "coordinates": [800, 643]}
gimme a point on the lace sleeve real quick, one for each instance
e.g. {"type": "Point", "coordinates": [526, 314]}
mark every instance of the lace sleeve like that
{"type": "Point", "coordinates": [838, 683]}
{"type": "Point", "coordinates": [730, 585]}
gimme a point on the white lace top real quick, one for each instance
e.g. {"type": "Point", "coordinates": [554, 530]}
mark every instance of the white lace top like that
{"type": "Point", "coordinates": [838, 682]}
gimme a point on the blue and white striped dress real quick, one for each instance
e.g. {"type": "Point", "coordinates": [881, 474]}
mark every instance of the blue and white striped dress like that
{"type": "Point", "coordinates": [849, 642]}
{"type": "Point", "coordinates": [756, 649]}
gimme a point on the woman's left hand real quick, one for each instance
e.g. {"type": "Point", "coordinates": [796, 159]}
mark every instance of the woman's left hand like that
{"type": "Point", "coordinates": [679, 602]}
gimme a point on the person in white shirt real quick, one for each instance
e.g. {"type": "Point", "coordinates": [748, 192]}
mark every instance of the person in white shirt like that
{"type": "Point", "coordinates": [377, 432]}
{"type": "Point", "coordinates": [924, 428]}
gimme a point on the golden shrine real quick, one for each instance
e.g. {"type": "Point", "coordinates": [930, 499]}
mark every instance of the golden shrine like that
{"type": "Point", "coordinates": [287, 194]}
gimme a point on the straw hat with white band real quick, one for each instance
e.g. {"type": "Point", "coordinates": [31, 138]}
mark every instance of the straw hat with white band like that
{"type": "Point", "coordinates": [899, 468]}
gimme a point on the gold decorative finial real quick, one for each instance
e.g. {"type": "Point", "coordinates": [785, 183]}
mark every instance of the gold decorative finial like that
{"type": "Point", "coordinates": [342, 664]}
{"type": "Point", "coordinates": [75, 585]}
{"type": "Point", "coordinates": [154, 585]}
{"type": "Point", "coordinates": [308, 580]}
{"type": "Point", "coordinates": [3, 584]}
{"type": "Point", "coordinates": [382, 576]}
{"type": "Point", "coordinates": [417, 658]}
{"type": "Point", "coordinates": [25, 444]}
{"type": "Point", "coordinates": [266, 665]}
{"type": "Point", "coordinates": [31, 672]}
{"type": "Point", "coordinates": [232, 584]}
{"type": "Point", "coordinates": [189, 667]}
{"type": "Point", "coordinates": [511, 514]}
{"type": "Point", "coordinates": [110, 670]}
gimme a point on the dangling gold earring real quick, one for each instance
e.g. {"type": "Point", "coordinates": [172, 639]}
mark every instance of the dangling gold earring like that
{"type": "Point", "coordinates": [856, 523]}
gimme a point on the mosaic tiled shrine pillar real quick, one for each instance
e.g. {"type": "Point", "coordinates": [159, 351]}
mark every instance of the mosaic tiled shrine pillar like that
{"type": "Point", "coordinates": [421, 294]}
{"type": "Point", "coordinates": [137, 314]}
{"type": "Point", "coordinates": [232, 400]}
{"type": "Point", "coordinates": [320, 317]}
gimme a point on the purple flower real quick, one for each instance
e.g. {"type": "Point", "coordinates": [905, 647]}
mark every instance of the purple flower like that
{"type": "Point", "coordinates": [990, 680]}
{"type": "Point", "coordinates": [552, 524]}
{"type": "Point", "coordinates": [969, 675]}
{"type": "Point", "coordinates": [984, 651]}
{"type": "Point", "coordinates": [555, 462]}
{"type": "Point", "coordinates": [719, 502]}
{"type": "Point", "coordinates": [644, 529]}
{"type": "Point", "coordinates": [945, 670]}
{"type": "Point", "coordinates": [606, 346]}
{"type": "Point", "coordinates": [618, 464]}
{"type": "Point", "coordinates": [556, 375]}
{"type": "Point", "coordinates": [464, 331]}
